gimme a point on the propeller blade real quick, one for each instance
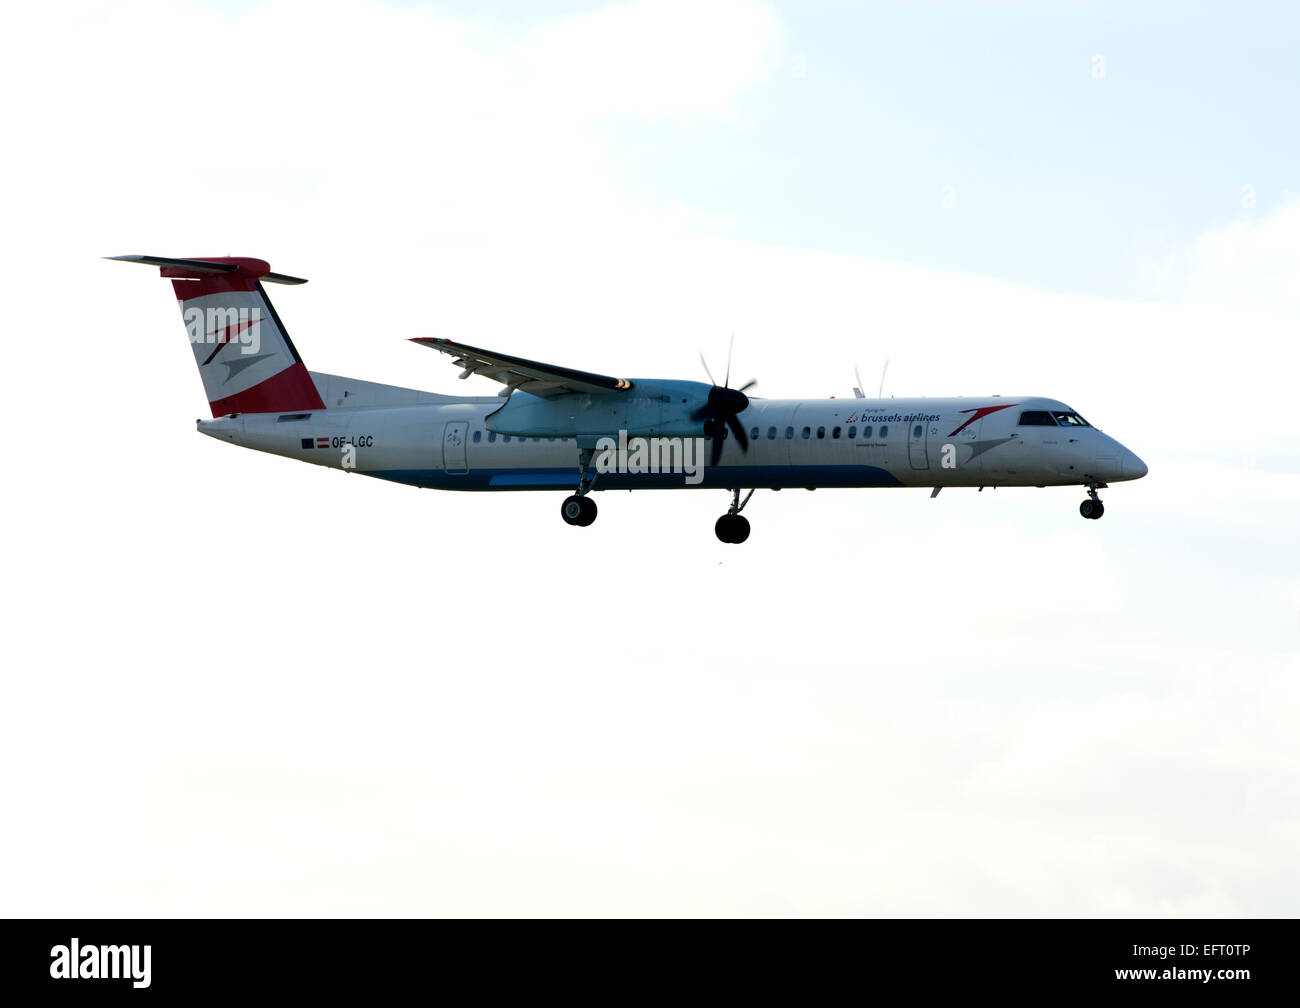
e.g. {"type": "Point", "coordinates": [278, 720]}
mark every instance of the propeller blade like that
{"type": "Point", "coordinates": [738, 429]}
{"type": "Point", "coordinates": [721, 409]}
{"type": "Point", "coordinates": [706, 368]}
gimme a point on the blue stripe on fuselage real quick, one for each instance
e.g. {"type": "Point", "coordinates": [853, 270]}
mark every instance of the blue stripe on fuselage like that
{"type": "Point", "coordinates": [721, 478]}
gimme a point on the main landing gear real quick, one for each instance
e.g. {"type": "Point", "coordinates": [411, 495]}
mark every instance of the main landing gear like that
{"type": "Point", "coordinates": [579, 509]}
{"type": "Point", "coordinates": [1092, 507]}
{"type": "Point", "coordinates": [733, 527]}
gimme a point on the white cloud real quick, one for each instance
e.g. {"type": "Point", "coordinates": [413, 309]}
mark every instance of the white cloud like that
{"type": "Point", "coordinates": [358, 115]}
{"type": "Point", "coordinates": [654, 58]}
{"type": "Point", "coordinates": [1251, 264]}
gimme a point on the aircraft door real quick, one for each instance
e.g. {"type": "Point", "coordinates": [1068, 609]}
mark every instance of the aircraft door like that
{"type": "Point", "coordinates": [916, 444]}
{"type": "Point", "coordinates": [453, 448]}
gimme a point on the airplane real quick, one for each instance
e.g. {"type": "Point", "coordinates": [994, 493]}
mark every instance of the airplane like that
{"type": "Point", "coordinates": [556, 428]}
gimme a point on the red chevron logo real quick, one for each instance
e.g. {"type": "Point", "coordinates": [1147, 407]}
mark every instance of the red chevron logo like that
{"type": "Point", "coordinates": [980, 413]}
{"type": "Point", "coordinates": [223, 337]}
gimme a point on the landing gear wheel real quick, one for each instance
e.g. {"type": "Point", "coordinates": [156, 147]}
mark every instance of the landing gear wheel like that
{"type": "Point", "coordinates": [732, 528]}
{"type": "Point", "coordinates": [1092, 509]}
{"type": "Point", "coordinates": [579, 511]}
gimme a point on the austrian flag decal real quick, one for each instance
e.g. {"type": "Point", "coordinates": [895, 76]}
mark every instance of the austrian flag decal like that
{"type": "Point", "coordinates": [320, 442]}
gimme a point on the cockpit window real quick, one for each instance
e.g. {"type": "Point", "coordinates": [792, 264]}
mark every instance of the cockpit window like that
{"type": "Point", "coordinates": [1070, 419]}
{"type": "Point", "coordinates": [1036, 418]}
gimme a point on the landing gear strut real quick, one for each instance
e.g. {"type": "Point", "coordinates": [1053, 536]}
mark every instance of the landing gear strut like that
{"type": "Point", "coordinates": [1092, 507]}
{"type": "Point", "coordinates": [579, 509]}
{"type": "Point", "coordinates": [733, 527]}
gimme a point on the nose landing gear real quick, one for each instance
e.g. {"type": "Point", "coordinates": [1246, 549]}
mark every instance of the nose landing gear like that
{"type": "Point", "coordinates": [1092, 507]}
{"type": "Point", "coordinates": [733, 527]}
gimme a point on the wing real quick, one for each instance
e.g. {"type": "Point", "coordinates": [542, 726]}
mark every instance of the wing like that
{"type": "Point", "coordinates": [545, 380]}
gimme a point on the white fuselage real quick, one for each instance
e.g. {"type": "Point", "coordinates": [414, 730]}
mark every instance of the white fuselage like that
{"type": "Point", "coordinates": [437, 441]}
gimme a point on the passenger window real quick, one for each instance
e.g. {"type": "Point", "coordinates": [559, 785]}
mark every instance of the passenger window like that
{"type": "Point", "coordinates": [771, 433]}
{"type": "Point", "coordinates": [853, 432]}
{"type": "Point", "coordinates": [884, 430]}
{"type": "Point", "coordinates": [753, 435]}
{"type": "Point", "coordinates": [916, 431]}
{"type": "Point", "coordinates": [866, 432]}
{"type": "Point", "coordinates": [492, 436]}
{"type": "Point", "coordinates": [789, 433]}
{"type": "Point", "coordinates": [807, 433]}
{"type": "Point", "coordinates": [506, 439]}
{"type": "Point", "coordinates": [835, 433]}
{"type": "Point", "coordinates": [478, 436]}
{"type": "Point", "coordinates": [821, 433]}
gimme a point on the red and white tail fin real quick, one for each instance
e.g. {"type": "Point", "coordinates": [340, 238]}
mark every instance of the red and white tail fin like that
{"type": "Point", "coordinates": [246, 360]}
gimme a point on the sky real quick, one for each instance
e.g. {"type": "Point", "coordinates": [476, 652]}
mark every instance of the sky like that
{"type": "Point", "coordinates": [237, 686]}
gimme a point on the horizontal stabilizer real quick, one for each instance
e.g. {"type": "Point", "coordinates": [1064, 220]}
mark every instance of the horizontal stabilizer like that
{"type": "Point", "coordinates": [202, 266]}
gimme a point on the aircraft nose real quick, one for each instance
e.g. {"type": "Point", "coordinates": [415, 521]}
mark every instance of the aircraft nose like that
{"type": "Point", "coordinates": [1132, 467]}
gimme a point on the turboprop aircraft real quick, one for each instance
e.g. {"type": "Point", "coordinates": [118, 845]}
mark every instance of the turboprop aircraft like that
{"type": "Point", "coordinates": [555, 428]}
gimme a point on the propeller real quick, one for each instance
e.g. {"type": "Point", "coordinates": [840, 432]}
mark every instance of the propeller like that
{"type": "Point", "coordinates": [721, 410]}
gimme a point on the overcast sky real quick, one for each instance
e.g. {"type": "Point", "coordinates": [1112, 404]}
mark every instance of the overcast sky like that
{"type": "Point", "coordinates": [237, 685]}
